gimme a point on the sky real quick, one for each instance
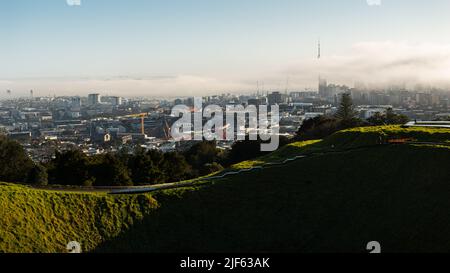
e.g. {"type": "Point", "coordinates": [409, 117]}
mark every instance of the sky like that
{"type": "Point", "coordinates": [190, 47]}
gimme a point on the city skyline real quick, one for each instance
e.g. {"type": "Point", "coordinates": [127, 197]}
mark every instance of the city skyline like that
{"type": "Point", "coordinates": [154, 48]}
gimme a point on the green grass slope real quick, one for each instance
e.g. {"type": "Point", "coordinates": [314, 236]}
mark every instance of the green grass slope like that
{"type": "Point", "coordinates": [45, 221]}
{"type": "Point", "coordinates": [351, 139]}
{"type": "Point", "coordinates": [398, 195]}
{"type": "Point", "coordinates": [364, 136]}
{"type": "Point", "coordinates": [348, 192]}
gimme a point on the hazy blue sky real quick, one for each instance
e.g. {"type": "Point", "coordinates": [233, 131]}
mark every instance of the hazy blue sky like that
{"type": "Point", "coordinates": [202, 45]}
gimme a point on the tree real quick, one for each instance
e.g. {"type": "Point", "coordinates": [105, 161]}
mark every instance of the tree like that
{"type": "Point", "coordinates": [244, 150]}
{"type": "Point", "coordinates": [323, 126]}
{"type": "Point", "coordinates": [15, 164]}
{"type": "Point", "coordinates": [389, 118]}
{"type": "Point", "coordinates": [202, 153]}
{"type": "Point", "coordinates": [377, 119]}
{"type": "Point", "coordinates": [108, 170]}
{"type": "Point", "coordinates": [346, 113]}
{"type": "Point", "coordinates": [69, 168]}
{"type": "Point", "coordinates": [176, 167]}
{"type": "Point", "coordinates": [393, 118]}
{"type": "Point", "coordinates": [249, 149]}
{"type": "Point", "coordinates": [211, 168]}
{"type": "Point", "coordinates": [318, 128]}
{"type": "Point", "coordinates": [142, 169]}
{"type": "Point", "coordinates": [38, 175]}
{"type": "Point", "coordinates": [157, 172]}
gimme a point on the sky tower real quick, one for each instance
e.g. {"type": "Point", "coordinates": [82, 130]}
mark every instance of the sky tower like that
{"type": "Point", "coordinates": [318, 51]}
{"type": "Point", "coordinates": [323, 85]}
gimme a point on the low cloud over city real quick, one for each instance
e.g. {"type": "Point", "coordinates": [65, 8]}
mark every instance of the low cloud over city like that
{"type": "Point", "coordinates": [380, 63]}
{"type": "Point", "coordinates": [373, 63]}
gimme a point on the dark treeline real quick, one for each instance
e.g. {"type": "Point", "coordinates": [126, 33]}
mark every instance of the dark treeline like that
{"type": "Point", "coordinates": [15, 165]}
{"type": "Point", "coordinates": [124, 168]}
{"type": "Point", "coordinates": [140, 167]}
{"type": "Point", "coordinates": [345, 118]}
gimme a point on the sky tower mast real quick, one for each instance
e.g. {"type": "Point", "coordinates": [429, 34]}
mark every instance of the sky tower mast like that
{"type": "Point", "coordinates": [323, 93]}
{"type": "Point", "coordinates": [319, 51]}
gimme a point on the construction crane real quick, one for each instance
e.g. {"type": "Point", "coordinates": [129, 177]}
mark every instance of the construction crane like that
{"type": "Point", "coordinates": [142, 116]}
{"type": "Point", "coordinates": [166, 129]}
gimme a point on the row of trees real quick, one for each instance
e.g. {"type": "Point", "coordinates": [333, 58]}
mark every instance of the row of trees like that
{"type": "Point", "coordinates": [139, 167]}
{"type": "Point", "coordinates": [124, 168]}
{"type": "Point", "coordinates": [146, 167]}
{"type": "Point", "coordinates": [346, 117]}
{"type": "Point", "coordinates": [120, 169]}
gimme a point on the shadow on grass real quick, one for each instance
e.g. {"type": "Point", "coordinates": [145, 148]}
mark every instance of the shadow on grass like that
{"type": "Point", "coordinates": [397, 195]}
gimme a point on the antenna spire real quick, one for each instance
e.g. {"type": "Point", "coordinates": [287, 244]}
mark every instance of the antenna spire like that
{"type": "Point", "coordinates": [319, 50]}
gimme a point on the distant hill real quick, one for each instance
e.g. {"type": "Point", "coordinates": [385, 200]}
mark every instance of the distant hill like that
{"type": "Point", "coordinates": [351, 188]}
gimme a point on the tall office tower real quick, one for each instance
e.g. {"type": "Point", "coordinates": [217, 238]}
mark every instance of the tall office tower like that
{"type": "Point", "coordinates": [116, 101]}
{"type": "Point", "coordinates": [75, 102]}
{"type": "Point", "coordinates": [323, 88]}
{"type": "Point", "coordinates": [93, 99]}
{"type": "Point", "coordinates": [323, 85]}
{"type": "Point", "coordinates": [275, 98]}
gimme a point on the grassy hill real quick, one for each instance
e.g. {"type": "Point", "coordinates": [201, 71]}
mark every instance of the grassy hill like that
{"type": "Point", "coordinates": [349, 191]}
{"type": "Point", "coordinates": [352, 139]}
{"type": "Point", "coordinates": [45, 221]}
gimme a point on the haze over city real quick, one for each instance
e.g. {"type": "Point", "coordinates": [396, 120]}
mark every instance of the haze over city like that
{"type": "Point", "coordinates": [173, 48]}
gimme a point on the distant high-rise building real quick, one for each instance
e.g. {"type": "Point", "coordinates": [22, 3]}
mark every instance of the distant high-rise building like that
{"type": "Point", "coordinates": [93, 99]}
{"type": "Point", "coordinates": [111, 100]}
{"type": "Point", "coordinates": [277, 98]}
{"type": "Point", "coordinates": [323, 88]}
{"type": "Point", "coordinates": [75, 102]}
{"type": "Point", "coordinates": [189, 102]}
{"type": "Point", "coordinates": [257, 101]}
{"type": "Point", "coordinates": [274, 98]}
{"type": "Point", "coordinates": [323, 85]}
{"type": "Point", "coordinates": [116, 101]}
